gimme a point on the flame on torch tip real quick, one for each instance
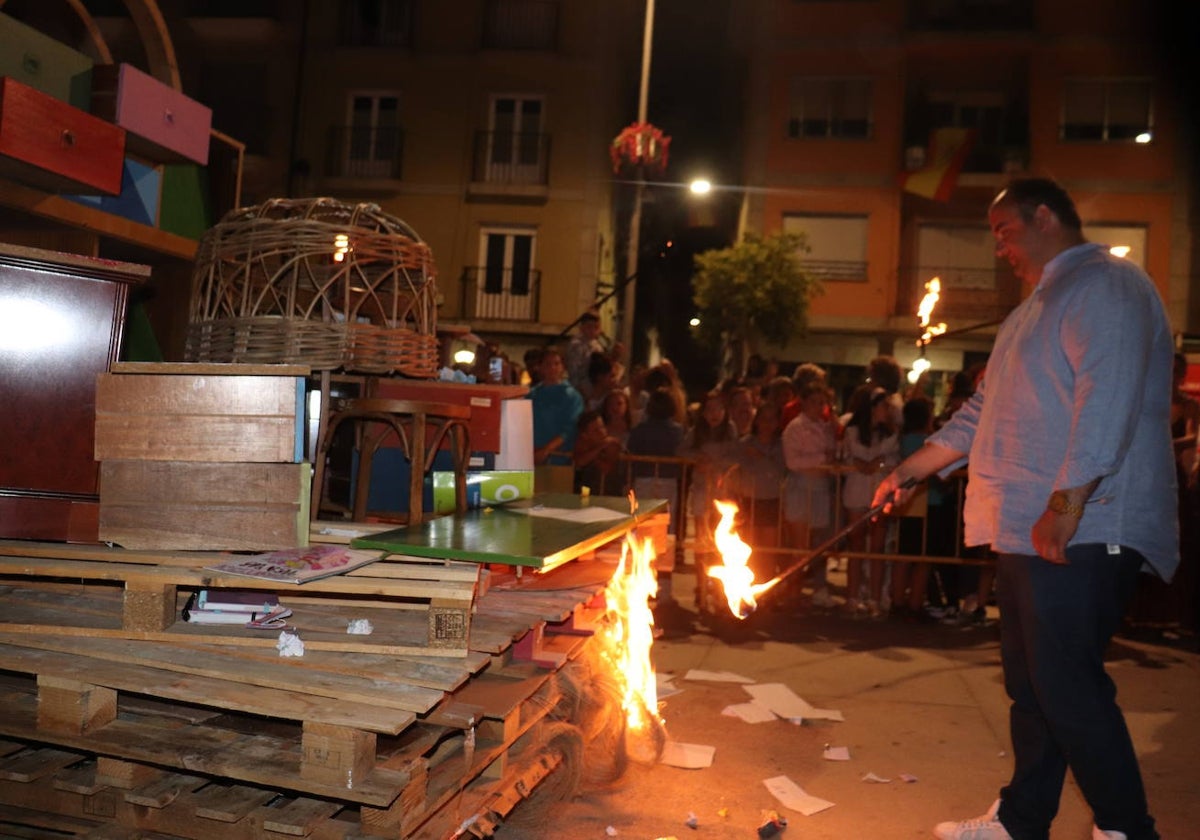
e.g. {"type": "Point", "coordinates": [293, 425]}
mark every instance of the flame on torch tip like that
{"type": "Point", "coordinates": [933, 291]}
{"type": "Point", "coordinates": [737, 578]}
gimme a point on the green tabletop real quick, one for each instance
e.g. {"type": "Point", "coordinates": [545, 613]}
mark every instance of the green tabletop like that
{"type": "Point", "coordinates": [543, 531]}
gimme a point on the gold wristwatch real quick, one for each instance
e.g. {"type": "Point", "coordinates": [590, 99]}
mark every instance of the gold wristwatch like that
{"type": "Point", "coordinates": [1060, 503]}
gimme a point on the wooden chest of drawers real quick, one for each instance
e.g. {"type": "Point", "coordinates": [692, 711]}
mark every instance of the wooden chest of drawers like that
{"type": "Point", "coordinates": [163, 124]}
{"type": "Point", "coordinates": [61, 319]}
{"type": "Point", "coordinates": [49, 144]}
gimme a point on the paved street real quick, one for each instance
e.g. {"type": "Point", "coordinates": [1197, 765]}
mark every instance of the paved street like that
{"type": "Point", "coordinates": [918, 699]}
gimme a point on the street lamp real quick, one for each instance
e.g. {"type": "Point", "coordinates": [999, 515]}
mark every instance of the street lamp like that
{"type": "Point", "coordinates": [629, 298]}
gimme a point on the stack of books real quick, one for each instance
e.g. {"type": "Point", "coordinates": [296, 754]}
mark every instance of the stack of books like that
{"type": "Point", "coordinates": [245, 607]}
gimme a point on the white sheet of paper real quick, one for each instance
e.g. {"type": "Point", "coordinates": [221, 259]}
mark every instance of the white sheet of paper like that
{"type": "Point", "coordinates": [879, 780]}
{"type": "Point", "coordinates": [716, 676]}
{"type": "Point", "coordinates": [792, 796]}
{"type": "Point", "coordinates": [749, 712]}
{"type": "Point", "coordinates": [836, 754]}
{"type": "Point", "coordinates": [688, 756]}
{"type": "Point", "coordinates": [784, 702]}
{"type": "Point", "coordinates": [583, 514]}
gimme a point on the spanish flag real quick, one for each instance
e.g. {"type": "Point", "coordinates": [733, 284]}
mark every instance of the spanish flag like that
{"type": "Point", "coordinates": [948, 149]}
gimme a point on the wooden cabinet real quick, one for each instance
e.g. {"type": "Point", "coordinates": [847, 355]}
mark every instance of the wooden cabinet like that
{"type": "Point", "coordinates": [61, 318]}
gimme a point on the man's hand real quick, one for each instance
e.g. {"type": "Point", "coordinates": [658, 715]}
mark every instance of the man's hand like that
{"type": "Point", "coordinates": [893, 491]}
{"type": "Point", "coordinates": [1051, 533]}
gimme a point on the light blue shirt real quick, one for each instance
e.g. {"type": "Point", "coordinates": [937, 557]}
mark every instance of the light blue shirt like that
{"type": "Point", "coordinates": [1078, 387]}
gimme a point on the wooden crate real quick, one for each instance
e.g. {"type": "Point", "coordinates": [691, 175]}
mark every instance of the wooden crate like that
{"type": "Point", "coordinates": [190, 505]}
{"type": "Point", "coordinates": [214, 413]}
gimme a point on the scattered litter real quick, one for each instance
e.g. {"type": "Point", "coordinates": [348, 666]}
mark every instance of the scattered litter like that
{"type": "Point", "coordinates": [716, 676]}
{"type": "Point", "coordinates": [688, 756]}
{"type": "Point", "coordinates": [879, 780]}
{"type": "Point", "coordinates": [289, 644]}
{"type": "Point", "coordinates": [610, 831]}
{"type": "Point", "coordinates": [784, 702]}
{"type": "Point", "coordinates": [749, 712]}
{"type": "Point", "coordinates": [692, 821]}
{"type": "Point", "coordinates": [1002, 754]}
{"type": "Point", "coordinates": [665, 685]}
{"type": "Point", "coordinates": [723, 813]}
{"type": "Point", "coordinates": [907, 778]}
{"type": "Point", "coordinates": [836, 753]}
{"type": "Point", "coordinates": [792, 796]}
{"type": "Point", "coordinates": [360, 627]}
{"type": "Point", "coordinates": [773, 825]}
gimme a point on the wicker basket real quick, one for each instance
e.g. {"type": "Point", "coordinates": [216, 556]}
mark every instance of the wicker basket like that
{"type": "Point", "coordinates": [315, 282]}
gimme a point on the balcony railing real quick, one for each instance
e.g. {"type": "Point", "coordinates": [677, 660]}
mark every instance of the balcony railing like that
{"type": "Point", "coordinates": [500, 294]}
{"type": "Point", "coordinates": [836, 270]}
{"type": "Point", "coordinates": [365, 152]}
{"type": "Point", "coordinates": [505, 158]}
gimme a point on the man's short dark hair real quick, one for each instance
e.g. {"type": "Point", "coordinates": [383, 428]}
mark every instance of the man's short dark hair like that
{"type": "Point", "coordinates": [1028, 193]}
{"type": "Point", "coordinates": [589, 317]}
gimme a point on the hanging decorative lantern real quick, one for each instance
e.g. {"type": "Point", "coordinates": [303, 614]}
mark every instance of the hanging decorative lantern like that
{"type": "Point", "coordinates": [640, 144]}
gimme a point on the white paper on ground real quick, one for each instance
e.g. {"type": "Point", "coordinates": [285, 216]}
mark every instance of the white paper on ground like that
{"type": "Point", "coordinates": [716, 676]}
{"type": "Point", "coordinates": [784, 702]}
{"type": "Point", "coordinates": [749, 712]}
{"type": "Point", "coordinates": [792, 796]}
{"type": "Point", "coordinates": [688, 756]}
{"type": "Point", "coordinates": [665, 686]}
{"type": "Point", "coordinates": [879, 780]}
{"type": "Point", "coordinates": [836, 754]}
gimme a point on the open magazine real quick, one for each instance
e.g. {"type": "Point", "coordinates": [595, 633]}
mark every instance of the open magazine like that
{"type": "Point", "coordinates": [297, 565]}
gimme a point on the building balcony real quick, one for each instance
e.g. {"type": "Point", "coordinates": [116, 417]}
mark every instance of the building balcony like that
{"type": "Point", "coordinates": [510, 164]}
{"type": "Point", "coordinates": [837, 270]}
{"type": "Point", "coordinates": [969, 295]}
{"type": "Point", "coordinates": [365, 152]}
{"type": "Point", "coordinates": [499, 294]}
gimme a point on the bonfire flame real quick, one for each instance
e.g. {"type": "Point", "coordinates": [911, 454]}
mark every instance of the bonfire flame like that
{"type": "Point", "coordinates": [631, 633]}
{"type": "Point", "coordinates": [736, 576]}
{"type": "Point", "coordinates": [933, 291]}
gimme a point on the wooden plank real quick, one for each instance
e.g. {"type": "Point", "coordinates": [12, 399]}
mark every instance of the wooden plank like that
{"type": "Point", "coordinates": [72, 706]}
{"type": "Point", "coordinates": [209, 369]}
{"type": "Point", "coordinates": [163, 791]}
{"type": "Point", "coordinates": [203, 691]}
{"type": "Point", "coordinates": [283, 673]}
{"type": "Point", "coordinates": [30, 765]}
{"type": "Point", "coordinates": [335, 754]}
{"type": "Point", "coordinates": [255, 759]}
{"type": "Point", "coordinates": [299, 817]}
{"type": "Point", "coordinates": [230, 803]}
{"type": "Point", "coordinates": [80, 779]}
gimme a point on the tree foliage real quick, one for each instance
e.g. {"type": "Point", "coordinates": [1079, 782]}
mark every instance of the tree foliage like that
{"type": "Point", "coordinates": [755, 290]}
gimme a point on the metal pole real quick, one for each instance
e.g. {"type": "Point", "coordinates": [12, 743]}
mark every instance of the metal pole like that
{"type": "Point", "coordinates": [629, 302]}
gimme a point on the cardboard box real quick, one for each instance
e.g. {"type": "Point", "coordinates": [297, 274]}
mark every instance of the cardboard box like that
{"type": "Point", "coordinates": [486, 487]}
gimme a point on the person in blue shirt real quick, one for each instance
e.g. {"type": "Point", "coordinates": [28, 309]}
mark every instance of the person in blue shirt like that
{"type": "Point", "coordinates": [556, 410]}
{"type": "Point", "coordinates": [1072, 483]}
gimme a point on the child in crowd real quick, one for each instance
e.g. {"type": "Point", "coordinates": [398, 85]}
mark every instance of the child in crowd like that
{"type": "Point", "coordinates": [921, 529]}
{"type": "Point", "coordinates": [596, 456]}
{"type": "Point", "coordinates": [618, 418]}
{"type": "Point", "coordinates": [710, 443]}
{"type": "Point", "coordinates": [872, 448]}
{"type": "Point", "coordinates": [808, 449]}
{"type": "Point", "coordinates": [759, 479]}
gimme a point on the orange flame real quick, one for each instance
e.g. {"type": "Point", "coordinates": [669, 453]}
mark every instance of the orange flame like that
{"type": "Point", "coordinates": [933, 291]}
{"type": "Point", "coordinates": [736, 576]}
{"type": "Point", "coordinates": [630, 633]}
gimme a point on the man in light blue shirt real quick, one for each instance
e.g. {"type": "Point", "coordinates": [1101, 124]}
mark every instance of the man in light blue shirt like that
{"type": "Point", "coordinates": [1069, 454]}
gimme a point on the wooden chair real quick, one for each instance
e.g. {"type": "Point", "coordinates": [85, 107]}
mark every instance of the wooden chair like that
{"type": "Point", "coordinates": [421, 427]}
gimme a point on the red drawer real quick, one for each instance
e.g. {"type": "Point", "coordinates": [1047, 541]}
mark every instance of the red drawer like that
{"type": "Point", "coordinates": [163, 124]}
{"type": "Point", "coordinates": [50, 144]}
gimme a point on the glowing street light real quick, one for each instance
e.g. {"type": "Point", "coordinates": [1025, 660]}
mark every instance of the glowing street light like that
{"type": "Point", "coordinates": [700, 186]}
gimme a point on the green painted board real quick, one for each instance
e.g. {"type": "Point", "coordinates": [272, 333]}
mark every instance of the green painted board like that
{"type": "Point", "coordinates": [42, 62]}
{"type": "Point", "coordinates": [506, 534]}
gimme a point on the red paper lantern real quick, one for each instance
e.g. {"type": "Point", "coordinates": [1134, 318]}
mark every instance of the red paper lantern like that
{"type": "Point", "coordinates": [640, 144]}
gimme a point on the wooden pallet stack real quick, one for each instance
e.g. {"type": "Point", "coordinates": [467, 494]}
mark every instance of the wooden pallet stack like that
{"type": "Point", "coordinates": [194, 731]}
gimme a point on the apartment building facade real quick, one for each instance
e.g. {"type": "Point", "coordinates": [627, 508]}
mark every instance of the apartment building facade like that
{"type": "Point", "coordinates": [843, 97]}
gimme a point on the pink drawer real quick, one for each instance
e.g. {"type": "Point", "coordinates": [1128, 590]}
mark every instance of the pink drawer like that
{"type": "Point", "coordinates": [163, 124]}
{"type": "Point", "coordinates": [49, 144]}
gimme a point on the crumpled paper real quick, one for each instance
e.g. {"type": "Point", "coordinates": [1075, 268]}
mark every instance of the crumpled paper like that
{"type": "Point", "coordinates": [289, 644]}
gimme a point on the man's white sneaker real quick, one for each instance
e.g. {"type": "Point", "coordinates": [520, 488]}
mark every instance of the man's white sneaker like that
{"type": "Point", "coordinates": [1100, 834]}
{"type": "Point", "coordinates": [986, 827]}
